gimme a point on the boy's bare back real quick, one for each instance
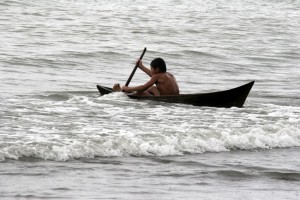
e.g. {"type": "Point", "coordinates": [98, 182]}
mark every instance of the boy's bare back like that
{"type": "Point", "coordinates": [166, 84]}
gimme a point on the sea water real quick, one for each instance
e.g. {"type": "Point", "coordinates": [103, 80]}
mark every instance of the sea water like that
{"type": "Point", "coordinates": [60, 139]}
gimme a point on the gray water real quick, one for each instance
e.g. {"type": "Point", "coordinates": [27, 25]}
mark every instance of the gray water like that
{"type": "Point", "coordinates": [60, 139]}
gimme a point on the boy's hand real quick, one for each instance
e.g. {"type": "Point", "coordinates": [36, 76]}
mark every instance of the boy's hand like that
{"type": "Point", "coordinates": [125, 88]}
{"type": "Point", "coordinates": [139, 62]}
{"type": "Point", "coordinates": [117, 88]}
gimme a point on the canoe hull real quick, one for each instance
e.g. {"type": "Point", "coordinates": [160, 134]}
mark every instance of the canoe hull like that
{"type": "Point", "coordinates": [235, 97]}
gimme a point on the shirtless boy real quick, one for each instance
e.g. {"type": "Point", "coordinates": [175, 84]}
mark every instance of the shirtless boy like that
{"type": "Point", "coordinates": [165, 82]}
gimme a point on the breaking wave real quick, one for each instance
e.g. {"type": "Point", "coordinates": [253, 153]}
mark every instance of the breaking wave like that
{"type": "Point", "coordinates": [74, 126]}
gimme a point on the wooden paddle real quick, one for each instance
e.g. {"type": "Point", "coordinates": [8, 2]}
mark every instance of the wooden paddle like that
{"type": "Point", "coordinates": [134, 69]}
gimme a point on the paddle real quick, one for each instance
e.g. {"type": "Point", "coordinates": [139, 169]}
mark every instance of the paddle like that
{"type": "Point", "coordinates": [134, 69]}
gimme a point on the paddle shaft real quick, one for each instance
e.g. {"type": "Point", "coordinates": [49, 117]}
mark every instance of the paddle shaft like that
{"type": "Point", "coordinates": [134, 69]}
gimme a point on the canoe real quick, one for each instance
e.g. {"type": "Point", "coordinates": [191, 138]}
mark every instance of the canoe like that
{"type": "Point", "coordinates": [235, 97]}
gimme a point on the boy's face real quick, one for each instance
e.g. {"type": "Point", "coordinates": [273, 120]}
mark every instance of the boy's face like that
{"type": "Point", "coordinates": [154, 71]}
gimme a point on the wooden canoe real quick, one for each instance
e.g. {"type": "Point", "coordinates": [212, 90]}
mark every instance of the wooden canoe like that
{"type": "Point", "coordinates": [235, 97]}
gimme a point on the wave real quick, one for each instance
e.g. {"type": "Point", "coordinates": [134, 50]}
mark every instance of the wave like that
{"type": "Point", "coordinates": [63, 126]}
{"type": "Point", "coordinates": [64, 96]}
{"type": "Point", "coordinates": [285, 176]}
{"type": "Point", "coordinates": [151, 144]}
{"type": "Point", "coordinates": [95, 54]}
{"type": "Point", "coordinates": [234, 174]}
{"type": "Point", "coordinates": [200, 53]}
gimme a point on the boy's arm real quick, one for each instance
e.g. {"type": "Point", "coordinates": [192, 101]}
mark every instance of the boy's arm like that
{"type": "Point", "coordinates": [142, 87]}
{"type": "Point", "coordinates": [144, 69]}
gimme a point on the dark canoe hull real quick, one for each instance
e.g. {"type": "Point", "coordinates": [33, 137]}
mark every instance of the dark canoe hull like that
{"type": "Point", "coordinates": [235, 97]}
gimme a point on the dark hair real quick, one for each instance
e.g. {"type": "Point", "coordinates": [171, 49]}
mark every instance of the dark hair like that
{"type": "Point", "coordinates": [159, 63]}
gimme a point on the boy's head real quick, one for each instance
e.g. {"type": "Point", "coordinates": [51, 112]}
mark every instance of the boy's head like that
{"type": "Point", "coordinates": [159, 63]}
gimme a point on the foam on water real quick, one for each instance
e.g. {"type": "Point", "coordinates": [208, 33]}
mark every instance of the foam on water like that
{"type": "Point", "coordinates": [85, 126]}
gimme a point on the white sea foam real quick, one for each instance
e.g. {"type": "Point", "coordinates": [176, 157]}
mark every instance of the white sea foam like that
{"type": "Point", "coordinates": [155, 143]}
{"type": "Point", "coordinates": [113, 125]}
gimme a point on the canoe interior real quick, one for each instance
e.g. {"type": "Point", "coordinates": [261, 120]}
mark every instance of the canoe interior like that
{"type": "Point", "coordinates": [235, 97]}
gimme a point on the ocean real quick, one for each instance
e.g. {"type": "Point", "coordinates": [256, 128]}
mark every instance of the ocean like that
{"type": "Point", "coordinates": [60, 139]}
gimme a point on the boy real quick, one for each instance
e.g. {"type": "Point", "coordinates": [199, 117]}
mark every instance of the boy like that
{"type": "Point", "coordinates": [165, 82]}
